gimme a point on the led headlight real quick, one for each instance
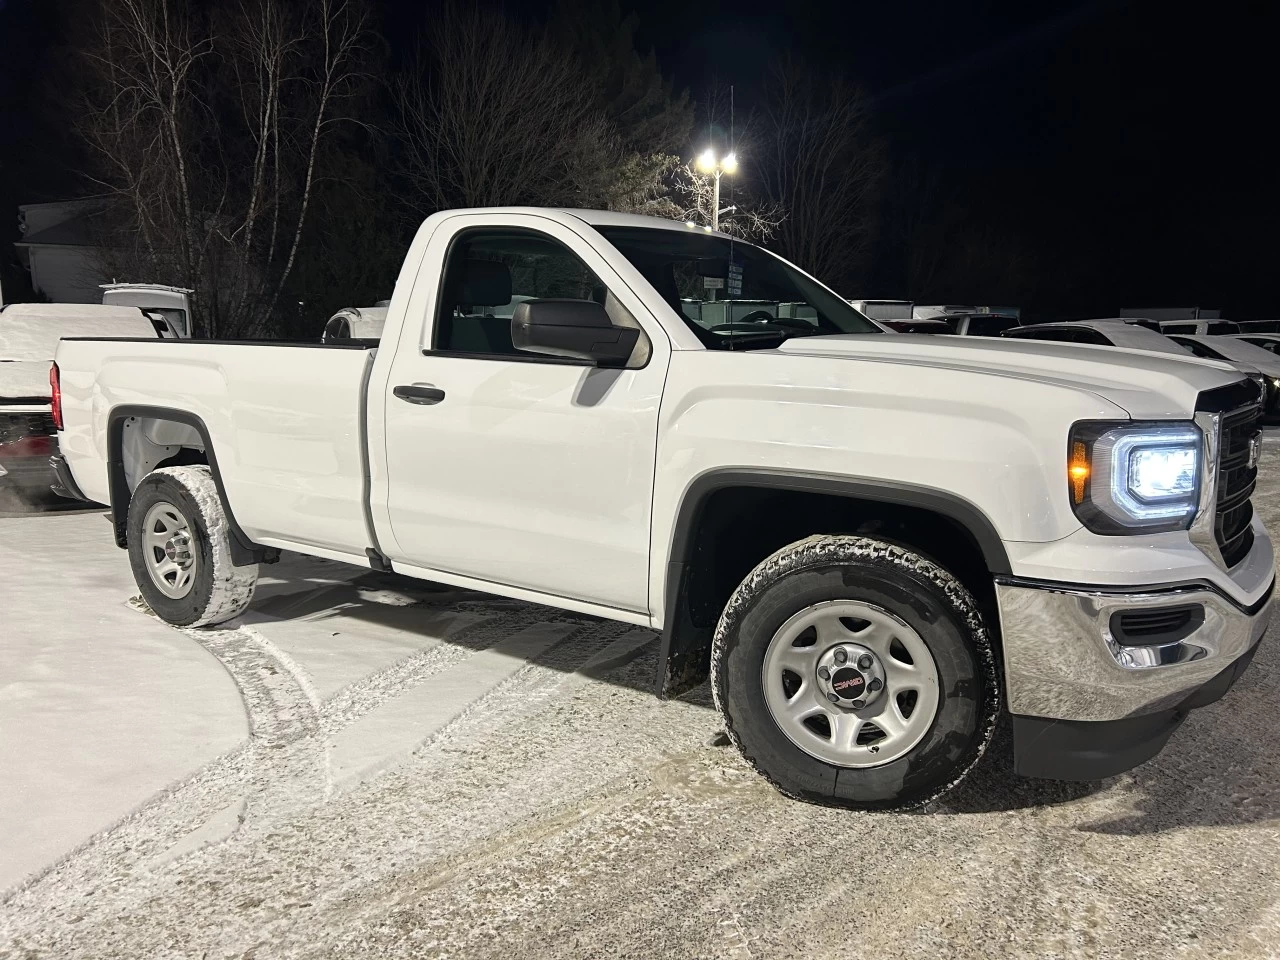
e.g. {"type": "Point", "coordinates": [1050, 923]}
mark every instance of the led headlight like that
{"type": "Point", "coordinates": [1132, 477]}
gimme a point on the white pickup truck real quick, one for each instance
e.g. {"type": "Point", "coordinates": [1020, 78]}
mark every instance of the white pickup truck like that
{"type": "Point", "coordinates": [873, 543]}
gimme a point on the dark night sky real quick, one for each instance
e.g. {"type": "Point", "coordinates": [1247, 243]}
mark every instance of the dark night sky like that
{"type": "Point", "coordinates": [1132, 140]}
{"type": "Point", "coordinates": [1136, 137]}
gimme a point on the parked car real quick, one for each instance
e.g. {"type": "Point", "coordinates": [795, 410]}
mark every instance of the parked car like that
{"type": "Point", "coordinates": [355, 323]}
{"type": "Point", "coordinates": [917, 326]}
{"type": "Point", "coordinates": [933, 311]}
{"type": "Point", "coordinates": [1116, 332]}
{"type": "Point", "coordinates": [1258, 326]}
{"type": "Point", "coordinates": [882, 310]}
{"type": "Point", "coordinates": [1259, 363]}
{"type": "Point", "coordinates": [1139, 321]}
{"type": "Point", "coordinates": [979, 324]}
{"type": "Point", "coordinates": [1267, 341]}
{"type": "Point", "coordinates": [29, 335]}
{"type": "Point", "coordinates": [1212, 328]}
{"type": "Point", "coordinates": [159, 300]}
{"type": "Point", "coordinates": [801, 506]}
{"type": "Point", "coordinates": [1162, 314]}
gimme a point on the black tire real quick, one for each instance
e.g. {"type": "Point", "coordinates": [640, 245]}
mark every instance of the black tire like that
{"type": "Point", "coordinates": [929, 599]}
{"type": "Point", "coordinates": [219, 590]}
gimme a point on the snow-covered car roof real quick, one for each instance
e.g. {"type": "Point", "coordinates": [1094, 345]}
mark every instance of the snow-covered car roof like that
{"type": "Point", "coordinates": [31, 331]}
{"type": "Point", "coordinates": [1120, 332]}
{"type": "Point", "coordinates": [1234, 350]}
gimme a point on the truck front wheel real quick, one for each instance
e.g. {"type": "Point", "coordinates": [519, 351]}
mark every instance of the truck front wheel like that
{"type": "Point", "coordinates": [180, 550]}
{"type": "Point", "coordinates": [853, 672]}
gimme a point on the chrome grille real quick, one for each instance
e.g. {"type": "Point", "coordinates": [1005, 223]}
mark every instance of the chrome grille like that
{"type": "Point", "coordinates": [1239, 432]}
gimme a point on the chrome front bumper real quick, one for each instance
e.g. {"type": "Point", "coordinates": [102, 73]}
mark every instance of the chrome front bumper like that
{"type": "Point", "coordinates": [1063, 662]}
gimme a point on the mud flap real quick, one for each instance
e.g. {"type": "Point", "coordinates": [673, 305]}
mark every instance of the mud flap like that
{"type": "Point", "coordinates": [684, 656]}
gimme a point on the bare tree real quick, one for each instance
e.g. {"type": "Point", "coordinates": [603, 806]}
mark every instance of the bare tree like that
{"type": "Point", "coordinates": [493, 112]}
{"type": "Point", "coordinates": [821, 164]}
{"type": "Point", "coordinates": [208, 130]}
{"type": "Point", "coordinates": [745, 215]}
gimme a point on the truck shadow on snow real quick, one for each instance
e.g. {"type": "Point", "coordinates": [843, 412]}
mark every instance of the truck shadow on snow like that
{"type": "Point", "coordinates": [306, 590]}
{"type": "Point", "coordinates": [1220, 769]}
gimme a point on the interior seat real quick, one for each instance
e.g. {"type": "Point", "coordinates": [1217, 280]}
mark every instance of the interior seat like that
{"type": "Point", "coordinates": [474, 285]}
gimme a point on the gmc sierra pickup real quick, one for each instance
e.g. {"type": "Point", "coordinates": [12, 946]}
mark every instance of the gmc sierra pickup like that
{"type": "Point", "coordinates": [872, 543]}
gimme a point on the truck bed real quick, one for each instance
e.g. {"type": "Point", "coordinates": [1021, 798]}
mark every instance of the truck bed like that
{"type": "Point", "coordinates": [284, 421]}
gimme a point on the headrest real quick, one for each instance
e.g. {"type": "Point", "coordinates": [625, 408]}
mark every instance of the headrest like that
{"type": "Point", "coordinates": [481, 283]}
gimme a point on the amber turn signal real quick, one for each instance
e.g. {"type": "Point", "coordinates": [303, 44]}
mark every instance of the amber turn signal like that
{"type": "Point", "coordinates": [1078, 471]}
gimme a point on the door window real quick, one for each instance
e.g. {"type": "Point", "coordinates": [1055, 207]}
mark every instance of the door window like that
{"type": "Point", "coordinates": [1089, 335]}
{"type": "Point", "coordinates": [488, 273]}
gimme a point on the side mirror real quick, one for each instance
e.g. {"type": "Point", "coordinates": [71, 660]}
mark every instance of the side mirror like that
{"type": "Point", "coordinates": [580, 329]}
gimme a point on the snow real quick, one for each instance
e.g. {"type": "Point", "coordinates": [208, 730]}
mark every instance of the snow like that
{"type": "Point", "coordinates": [101, 708]}
{"type": "Point", "coordinates": [558, 809]}
{"type": "Point", "coordinates": [398, 726]}
{"type": "Point", "coordinates": [30, 331]}
{"type": "Point", "coordinates": [25, 378]}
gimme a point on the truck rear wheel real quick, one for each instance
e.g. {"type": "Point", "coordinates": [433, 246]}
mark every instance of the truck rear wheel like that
{"type": "Point", "coordinates": [853, 672]}
{"type": "Point", "coordinates": [180, 551]}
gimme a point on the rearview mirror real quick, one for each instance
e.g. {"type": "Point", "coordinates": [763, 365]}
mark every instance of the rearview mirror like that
{"type": "Point", "coordinates": [580, 329]}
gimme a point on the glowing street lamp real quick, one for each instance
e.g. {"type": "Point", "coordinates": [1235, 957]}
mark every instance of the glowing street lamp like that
{"type": "Point", "coordinates": [714, 166]}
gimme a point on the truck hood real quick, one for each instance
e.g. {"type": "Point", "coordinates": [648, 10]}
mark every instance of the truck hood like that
{"type": "Point", "coordinates": [1145, 384]}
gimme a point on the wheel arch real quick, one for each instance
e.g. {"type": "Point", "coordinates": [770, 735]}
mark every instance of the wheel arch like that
{"type": "Point", "coordinates": [243, 549]}
{"type": "Point", "coordinates": [691, 610]}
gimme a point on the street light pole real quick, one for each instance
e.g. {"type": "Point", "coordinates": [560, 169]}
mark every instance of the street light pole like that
{"type": "Point", "coordinates": [710, 164]}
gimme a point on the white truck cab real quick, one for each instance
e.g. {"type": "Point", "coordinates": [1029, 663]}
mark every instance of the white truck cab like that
{"type": "Point", "coordinates": [873, 543]}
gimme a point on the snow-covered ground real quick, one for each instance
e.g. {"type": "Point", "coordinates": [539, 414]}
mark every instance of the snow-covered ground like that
{"type": "Point", "coordinates": [435, 773]}
{"type": "Point", "coordinates": [100, 708]}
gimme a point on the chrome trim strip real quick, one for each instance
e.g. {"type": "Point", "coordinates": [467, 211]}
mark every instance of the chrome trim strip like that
{"type": "Point", "coordinates": [1168, 590]}
{"type": "Point", "coordinates": [1202, 525]}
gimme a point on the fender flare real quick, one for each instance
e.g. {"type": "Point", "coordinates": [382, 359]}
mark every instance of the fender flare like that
{"type": "Point", "coordinates": [243, 550]}
{"type": "Point", "coordinates": [685, 645]}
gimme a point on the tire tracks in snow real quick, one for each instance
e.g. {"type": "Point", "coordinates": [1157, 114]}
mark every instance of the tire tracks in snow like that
{"type": "Point", "coordinates": [284, 766]}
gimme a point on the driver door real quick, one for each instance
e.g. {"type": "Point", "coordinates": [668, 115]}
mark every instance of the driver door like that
{"type": "Point", "coordinates": [516, 468]}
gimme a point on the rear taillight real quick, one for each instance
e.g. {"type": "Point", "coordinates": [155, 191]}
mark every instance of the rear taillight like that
{"type": "Point", "coordinates": [56, 386]}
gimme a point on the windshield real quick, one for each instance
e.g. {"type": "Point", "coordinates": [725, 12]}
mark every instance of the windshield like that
{"type": "Point", "coordinates": [732, 295]}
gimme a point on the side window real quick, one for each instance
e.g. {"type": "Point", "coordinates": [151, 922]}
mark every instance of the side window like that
{"type": "Point", "coordinates": [1086, 335]}
{"type": "Point", "coordinates": [487, 273]}
{"type": "Point", "coordinates": [1177, 328]}
{"type": "Point", "coordinates": [990, 326]}
{"type": "Point", "coordinates": [1199, 349]}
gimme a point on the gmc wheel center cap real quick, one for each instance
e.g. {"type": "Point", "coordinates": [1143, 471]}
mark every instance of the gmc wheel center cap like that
{"type": "Point", "coordinates": [850, 675]}
{"type": "Point", "coordinates": [848, 684]}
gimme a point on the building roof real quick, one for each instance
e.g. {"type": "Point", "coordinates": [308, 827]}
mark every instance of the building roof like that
{"type": "Point", "coordinates": [69, 233]}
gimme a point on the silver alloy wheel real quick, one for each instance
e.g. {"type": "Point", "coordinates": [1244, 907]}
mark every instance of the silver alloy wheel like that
{"type": "Point", "coordinates": [850, 684]}
{"type": "Point", "coordinates": [169, 550]}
